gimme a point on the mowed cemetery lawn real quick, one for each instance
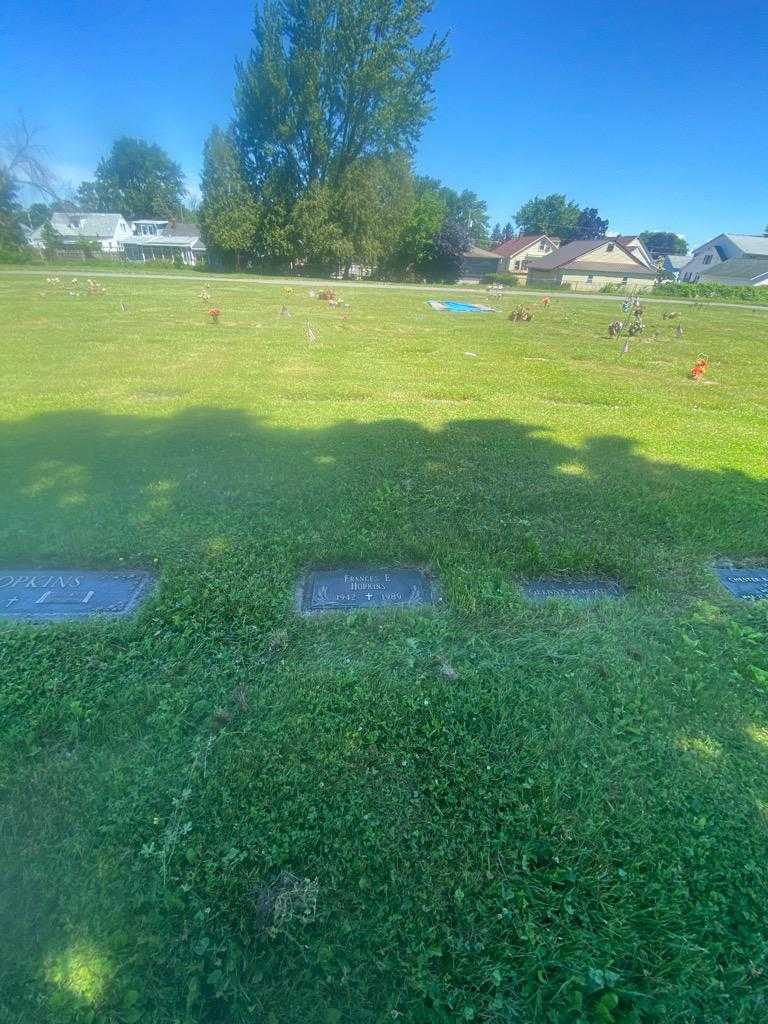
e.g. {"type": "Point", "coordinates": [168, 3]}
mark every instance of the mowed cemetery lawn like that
{"type": "Point", "coordinates": [218, 810]}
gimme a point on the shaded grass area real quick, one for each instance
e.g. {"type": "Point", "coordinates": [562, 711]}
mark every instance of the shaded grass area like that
{"type": "Point", "coordinates": [567, 826]}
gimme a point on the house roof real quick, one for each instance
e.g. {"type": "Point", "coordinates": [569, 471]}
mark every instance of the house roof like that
{"type": "Point", "coordinates": [751, 245]}
{"type": "Point", "coordinates": [740, 270]}
{"type": "Point", "coordinates": [475, 252]}
{"type": "Point", "coordinates": [566, 255]}
{"type": "Point", "coordinates": [674, 261]}
{"type": "Point", "coordinates": [513, 245]}
{"type": "Point", "coordinates": [89, 225]}
{"type": "Point", "coordinates": [176, 235]}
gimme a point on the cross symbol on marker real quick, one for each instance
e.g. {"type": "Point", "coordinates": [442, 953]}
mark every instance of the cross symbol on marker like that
{"type": "Point", "coordinates": [369, 596]}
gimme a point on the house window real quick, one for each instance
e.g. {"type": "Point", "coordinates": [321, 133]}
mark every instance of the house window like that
{"type": "Point", "coordinates": [707, 260]}
{"type": "Point", "coordinates": [625, 279]}
{"type": "Point", "coordinates": [542, 246]}
{"type": "Point", "coordinates": [611, 247]}
{"type": "Point", "coordinates": [590, 278]}
{"type": "Point", "coordinates": [524, 265]}
{"type": "Point", "coordinates": [517, 264]}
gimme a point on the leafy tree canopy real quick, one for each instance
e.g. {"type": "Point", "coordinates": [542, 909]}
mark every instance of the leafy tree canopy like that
{"type": "Point", "coordinates": [590, 224]}
{"type": "Point", "coordinates": [663, 243]}
{"type": "Point", "coordinates": [230, 217]}
{"type": "Point", "coordinates": [449, 246]}
{"type": "Point", "coordinates": [11, 234]}
{"type": "Point", "coordinates": [549, 215]}
{"type": "Point", "coordinates": [465, 208]}
{"type": "Point", "coordinates": [137, 179]}
{"type": "Point", "coordinates": [329, 82]}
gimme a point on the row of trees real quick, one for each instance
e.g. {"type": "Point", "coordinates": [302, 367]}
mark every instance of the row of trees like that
{"type": "Point", "coordinates": [316, 165]}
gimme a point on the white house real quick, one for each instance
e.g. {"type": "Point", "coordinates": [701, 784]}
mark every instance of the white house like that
{"type": "Point", "coordinates": [109, 230]}
{"type": "Point", "coordinates": [590, 265]}
{"type": "Point", "coordinates": [709, 259]}
{"type": "Point", "coordinates": [165, 240]}
{"type": "Point", "coordinates": [635, 245]}
{"type": "Point", "coordinates": [516, 253]}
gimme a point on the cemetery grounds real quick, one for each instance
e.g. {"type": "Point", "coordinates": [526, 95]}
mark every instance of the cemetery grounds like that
{"type": "Point", "coordinates": [489, 810]}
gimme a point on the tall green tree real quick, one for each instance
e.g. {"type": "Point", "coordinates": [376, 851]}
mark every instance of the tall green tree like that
{"type": "Point", "coordinates": [137, 179]}
{"type": "Point", "coordinates": [414, 251]}
{"type": "Point", "coordinates": [329, 82]}
{"type": "Point", "coordinates": [549, 215]}
{"type": "Point", "coordinates": [375, 197]}
{"type": "Point", "coordinates": [448, 247]}
{"type": "Point", "coordinates": [316, 235]}
{"type": "Point", "coordinates": [230, 218]}
{"type": "Point", "coordinates": [590, 224]}
{"type": "Point", "coordinates": [11, 233]}
{"type": "Point", "coordinates": [38, 213]}
{"type": "Point", "coordinates": [664, 243]}
{"type": "Point", "coordinates": [469, 210]}
{"type": "Point", "coordinates": [465, 208]}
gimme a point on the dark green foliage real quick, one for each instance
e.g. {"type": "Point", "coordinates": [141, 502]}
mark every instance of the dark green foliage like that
{"type": "Point", "coordinates": [702, 290]}
{"type": "Point", "coordinates": [414, 250]}
{"type": "Point", "coordinates": [11, 233]}
{"type": "Point", "coordinates": [38, 214]}
{"type": "Point", "coordinates": [590, 224]}
{"type": "Point", "coordinates": [327, 110]}
{"type": "Point", "coordinates": [329, 82]}
{"type": "Point", "coordinates": [230, 217]}
{"type": "Point", "coordinates": [559, 217]}
{"type": "Point", "coordinates": [138, 179]}
{"type": "Point", "coordinates": [51, 240]}
{"type": "Point", "coordinates": [504, 278]}
{"type": "Point", "coordinates": [664, 243]}
{"type": "Point", "coordinates": [550, 215]}
{"type": "Point", "coordinates": [448, 248]}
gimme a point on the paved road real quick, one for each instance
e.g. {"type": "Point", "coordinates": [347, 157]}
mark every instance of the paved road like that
{"type": "Point", "coordinates": [203, 278]}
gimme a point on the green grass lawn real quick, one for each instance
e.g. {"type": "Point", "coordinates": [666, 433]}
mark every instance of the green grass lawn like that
{"type": "Point", "coordinates": [218, 811]}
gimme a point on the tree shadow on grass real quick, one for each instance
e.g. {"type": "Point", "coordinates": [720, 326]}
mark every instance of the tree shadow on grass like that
{"type": "Point", "coordinates": [84, 487]}
{"type": "Point", "coordinates": [588, 796]}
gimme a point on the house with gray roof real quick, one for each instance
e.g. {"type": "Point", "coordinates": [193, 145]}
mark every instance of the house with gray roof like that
{"type": "Point", "coordinates": [708, 261]}
{"type": "Point", "coordinates": [590, 264]}
{"type": "Point", "coordinates": [672, 264]}
{"type": "Point", "coordinates": [743, 270]}
{"type": "Point", "coordinates": [165, 240]}
{"type": "Point", "coordinates": [476, 263]}
{"type": "Point", "coordinates": [108, 230]}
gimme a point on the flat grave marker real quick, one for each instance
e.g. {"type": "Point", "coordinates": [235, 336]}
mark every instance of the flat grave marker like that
{"type": "Point", "coordinates": [575, 590]}
{"type": "Point", "coordinates": [744, 584]}
{"type": "Point", "coordinates": [325, 590]}
{"type": "Point", "coordinates": [40, 595]}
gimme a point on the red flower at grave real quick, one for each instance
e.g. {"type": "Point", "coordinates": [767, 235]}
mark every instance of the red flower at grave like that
{"type": "Point", "coordinates": [214, 313]}
{"type": "Point", "coordinates": [699, 368]}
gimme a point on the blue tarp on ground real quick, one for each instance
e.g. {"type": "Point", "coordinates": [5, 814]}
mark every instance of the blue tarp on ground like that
{"type": "Point", "coordinates": [448, 305]}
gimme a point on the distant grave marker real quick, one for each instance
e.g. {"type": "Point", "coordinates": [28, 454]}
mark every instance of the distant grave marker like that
{"type": "Point", "coordinates": [55, 594]}
{"type": "Point", "coordinates": [581, 590]}
{"type": "Point", "coordinates": [350, 589]}
{"type": "Point", "coordinates": [744, 584]}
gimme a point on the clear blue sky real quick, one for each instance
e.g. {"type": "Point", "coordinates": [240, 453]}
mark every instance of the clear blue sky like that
{"type": "Point", "coordinates": [656, 113]}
